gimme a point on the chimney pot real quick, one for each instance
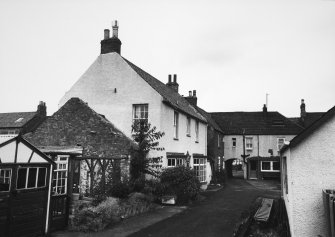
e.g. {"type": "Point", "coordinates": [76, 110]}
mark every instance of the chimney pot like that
{"type": "Point", "coordinates": [106, 34]}
{"type": "Point", "coordinates": [190, 93]}
{"type": "Point", "coordinates": [175, 78]}
{"type": "Point", "coordinates": [115, 27]}
{"type": "Point", "coordinates": [170, 76]}
{"type": "Point", "coordinates": [194, 93]}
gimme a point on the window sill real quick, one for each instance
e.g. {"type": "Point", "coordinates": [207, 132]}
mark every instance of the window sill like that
{"type": "Point", "coordinates": [188, 135]}
{"type": "Point", "coordinates": [176, 139]}
{"type": "Point", "coordinates": [196, 142]}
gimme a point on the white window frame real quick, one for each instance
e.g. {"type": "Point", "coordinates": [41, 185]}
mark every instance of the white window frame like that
{"type": "Point", "coordinates": [279, 146]}
{"type": "Point", "coordinates": [188, 126]}
{"type": "Point", "coordinates": [36, 179]}
{"type": "Point", "coordinates": [4, 178]}
{"type": "Point", "coordinates": [249, 145]}
{"type": "Point", "coordinates": [219, 162]}
{"type": "Point", "coordinates": [271, 166]}
{"type": "Point", "coordinates": [61, 172]}
{"type": "Point", "coordinates": [196, 131]}
{"type": "Point", "coordinates": [177, 162]}
{"type": "Point", "coordinates": [140, 112]}
{"type": "Point", "coordinates": [233, 142]}
{"type": "Point", "coordinates": [199, 166]}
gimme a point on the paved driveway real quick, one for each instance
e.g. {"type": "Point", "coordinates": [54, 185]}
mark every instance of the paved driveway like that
{"type": "Point", "coordinates": [216, 215]}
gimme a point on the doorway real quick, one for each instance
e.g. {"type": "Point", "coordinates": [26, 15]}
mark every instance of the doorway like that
{"type": "Point", "coordinates": [253, 169]}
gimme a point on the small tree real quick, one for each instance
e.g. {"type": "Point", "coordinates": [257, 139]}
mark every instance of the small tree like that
{"type": "Point", "coordinates": [147, 139]}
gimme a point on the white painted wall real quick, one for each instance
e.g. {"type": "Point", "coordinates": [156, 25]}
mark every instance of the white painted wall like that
{"type": "Point", "coordinates": [311, 168]}
{"type": "Point", "coordinates": [261, 145]}
{"type": "Point", "coordinates": [97, 87]}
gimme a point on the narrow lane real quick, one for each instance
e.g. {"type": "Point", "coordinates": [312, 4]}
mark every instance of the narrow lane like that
{"type": "Point", "coordinates": [215, 216]}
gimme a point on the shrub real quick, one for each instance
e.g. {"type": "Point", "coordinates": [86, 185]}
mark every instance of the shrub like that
{"type": "Point", "coordinates": [181, 181]}
{"type": "Point", "coordinates": [137, 185]}
{"type": "Point", "coordinates": [120, 190]}
{"type": "Point", "coordinates": [139, 198]}
{"type": "Point", "coordinates": [97, 218]}
{"type": "Point", "coordinates": [155, 187]}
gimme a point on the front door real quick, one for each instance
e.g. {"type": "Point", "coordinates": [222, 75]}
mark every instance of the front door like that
{"type": "Point", "coordinates": [23, 199]}
{"type": "Point", "coordinates": [253, 169]}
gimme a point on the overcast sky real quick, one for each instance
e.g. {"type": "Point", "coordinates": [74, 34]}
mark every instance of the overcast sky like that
{"type": "Point", "coordinates": [231, 52]}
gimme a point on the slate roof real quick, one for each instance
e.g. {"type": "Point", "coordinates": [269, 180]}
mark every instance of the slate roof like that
{"type": "Point", "coordinates": [310, 129]}
{"type": "Point", "coordinates": [7, 120]}
{"type": "Point", "coordinates": [310, 118]}
{"type": "Point", "coordinates": [209, 119]}
{"type": "Point", "coordinates": [170, 96]}
{"type": "Point", "coordinates": [255, 123]}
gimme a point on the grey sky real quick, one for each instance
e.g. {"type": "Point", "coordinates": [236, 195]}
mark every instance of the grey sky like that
{"type": "Point", "coordinates": [231, 52]}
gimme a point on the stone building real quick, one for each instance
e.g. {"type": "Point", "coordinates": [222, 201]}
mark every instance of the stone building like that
{"type": "Point", "coordinates": [79, 137]}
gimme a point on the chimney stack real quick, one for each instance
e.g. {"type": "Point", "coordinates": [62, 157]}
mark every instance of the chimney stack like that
{"type": "Point", "coordinates": [110, 45]}
{"type": "Point", "coordinates": [173, 85]}
{"type": "Point", "coordinates": [302, 110]}
{"type": "Point", "coordinates": [265, 109]}
{"type": "Point", "coordinates": [192, 99]}
{"type": "Point", "coordinates": [42, 109]}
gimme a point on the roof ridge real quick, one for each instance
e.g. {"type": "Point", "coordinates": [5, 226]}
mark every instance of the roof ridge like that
{"type": "Point", "coordinates": [19, 112]}
{"type": "Point", "coordinates": [169, 95]}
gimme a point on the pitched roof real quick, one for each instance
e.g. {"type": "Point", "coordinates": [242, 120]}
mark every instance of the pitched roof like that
{"type": "Point", "coordinates": [171, 97]}
{"type": "Point", "coordinates": [13, 120]}
{"type": "Point", "coordinates": [75, 123]}
{"type": "Point", "coordinates": [209, 119]}
{"type": "Point", "coordinates": [255, 123]}
{"type": "Point", "coordinates": [309, 118]}
{"type": "Point", "coordinates": [310, 129]}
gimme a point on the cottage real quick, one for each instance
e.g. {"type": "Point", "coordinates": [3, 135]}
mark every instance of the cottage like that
{"type": "Point", "coordinates": [255, 138]}
{"type": "Point", "coordinates": [12, 124]}
{"type": "Point", "coordinates": [83, 144]}
{"type": "Point", "coordinates": [308, 167]}
{"type": "Point", "coordinates": [25, 189]}
{"type": "Point", "coordinates": [124, 93]}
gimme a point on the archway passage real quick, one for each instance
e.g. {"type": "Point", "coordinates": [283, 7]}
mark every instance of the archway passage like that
{"type": "Point", "coordinates": [234, 168]}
